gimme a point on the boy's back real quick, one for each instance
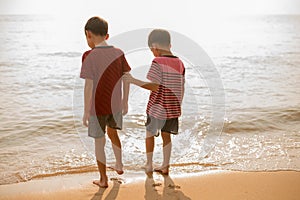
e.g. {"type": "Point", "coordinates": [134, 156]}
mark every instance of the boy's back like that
{"type": "Point", "coordinates": [105, 65]}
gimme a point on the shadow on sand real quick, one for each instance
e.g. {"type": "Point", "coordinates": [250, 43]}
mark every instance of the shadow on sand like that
{"type": "Point", "coordinates": [153, 190]}
{"type": "Point", "coordinates": [169, 191]}
{"type": "Point", "coordinates": [113, 193]}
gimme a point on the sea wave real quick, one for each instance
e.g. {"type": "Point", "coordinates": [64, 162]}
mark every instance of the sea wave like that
{"type": "Point", "coordinates": [264, 120]}
{"type": "Point", "coordinates": [62, 54]}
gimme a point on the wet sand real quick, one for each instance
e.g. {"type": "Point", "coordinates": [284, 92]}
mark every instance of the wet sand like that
{"type": "Point", "coordinates": [210, 185]}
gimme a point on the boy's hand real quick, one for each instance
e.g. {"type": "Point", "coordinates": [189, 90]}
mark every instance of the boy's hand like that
{"type": "Point", "coordinates": [128, 78]}
{"type": "Point", "coordinates": [85, 119]}
{"type": "Point", "coordinates": [126, 85]}
{"type": "Point", "coordinates": [125, 107]}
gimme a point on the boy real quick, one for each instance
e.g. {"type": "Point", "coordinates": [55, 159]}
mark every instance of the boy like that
{"type": "Point", "coordinates": [164, 106]}
{"type": "Point", "coordinates": [102, 69]}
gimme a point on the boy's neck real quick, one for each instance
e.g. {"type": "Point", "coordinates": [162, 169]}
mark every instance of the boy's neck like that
{"type": "Point", "coordinates": [99, 41]}
{"type": "Point", "coordinates": [165, 53]}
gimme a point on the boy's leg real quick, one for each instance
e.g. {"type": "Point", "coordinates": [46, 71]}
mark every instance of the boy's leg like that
{"type": "Point", "coordinates": [167, 148]}
{"type": "Point", "coordinates": [171, 126]}
{"type": "Point", "coordinates": [101, 162]}
{"type": "Point", "coordinates": [149, 150]}
{"type": "Point", "coordinates": [117, 148]}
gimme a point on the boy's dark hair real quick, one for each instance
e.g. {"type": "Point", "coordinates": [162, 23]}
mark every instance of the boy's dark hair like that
{"type": "Point", "coordinates": [97, 26]}
{"type": "Point", "coordinates": [159, 36]}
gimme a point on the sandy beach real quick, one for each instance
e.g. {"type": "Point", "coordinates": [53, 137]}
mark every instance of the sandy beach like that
{"type": "Point", "coordinates": [207, 185]}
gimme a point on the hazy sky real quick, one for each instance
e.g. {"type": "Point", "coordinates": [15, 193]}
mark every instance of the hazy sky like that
{"type": "Point", "coordinates": [129, 7]}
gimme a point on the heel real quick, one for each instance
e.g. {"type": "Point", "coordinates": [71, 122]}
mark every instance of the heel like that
{"type": "Point", "coordinates": [163, 170]}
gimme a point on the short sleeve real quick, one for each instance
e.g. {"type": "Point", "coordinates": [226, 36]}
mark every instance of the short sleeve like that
{"type": "Point", "coordinates": [86, 68]}
{"type": "Point", "coordinates": [85, 55]}
{"type": "Point", "coordinates": [155, 74]}
{"type": "Point", "coordinates": [125, 65]}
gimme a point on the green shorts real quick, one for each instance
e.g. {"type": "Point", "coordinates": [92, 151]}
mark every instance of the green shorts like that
{"type": "Point", "coordinates": [97, 124]}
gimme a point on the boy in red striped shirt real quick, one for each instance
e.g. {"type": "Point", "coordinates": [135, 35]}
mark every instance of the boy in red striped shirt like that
{"type": "Point", "coordinates": [164, 106]}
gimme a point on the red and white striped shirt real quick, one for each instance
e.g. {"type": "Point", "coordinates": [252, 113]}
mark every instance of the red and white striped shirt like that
{"type": "Point", "coordinates": [165, 103]}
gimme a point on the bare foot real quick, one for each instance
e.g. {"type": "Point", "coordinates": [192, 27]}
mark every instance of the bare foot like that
{"type": "Point", "coordinates": [164, 170]}
{"type": "Point", "coordinates": [148, 168]}
{"type": "Point", "coordinates": [102, 184]}
{"type": "Point", "coordinates": [119, 170]}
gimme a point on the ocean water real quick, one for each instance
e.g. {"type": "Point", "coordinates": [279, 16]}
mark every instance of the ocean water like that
{"type": "Point", "coordinates": [258, 60]}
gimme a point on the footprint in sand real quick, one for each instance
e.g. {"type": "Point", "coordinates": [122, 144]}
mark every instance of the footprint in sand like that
{"type": "Point", "coordinates": [174, 186]}
{"type": "Point", "coordinates": [156, 184]}
{"type": "Point", "coordinates": [119, 180]}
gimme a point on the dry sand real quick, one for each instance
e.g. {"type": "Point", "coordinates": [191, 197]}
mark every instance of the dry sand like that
{"type": "Point", "coordinates": [281, 185]}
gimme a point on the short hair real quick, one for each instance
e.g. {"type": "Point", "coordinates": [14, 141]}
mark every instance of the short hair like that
{"type": "Point", "coordinates": [97, 26]}
{"type": "Point", "coordinates": [159, 36]}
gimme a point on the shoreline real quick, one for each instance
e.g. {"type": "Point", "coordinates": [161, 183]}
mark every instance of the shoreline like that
{"type": "Point", "coordinates": [205, 185]}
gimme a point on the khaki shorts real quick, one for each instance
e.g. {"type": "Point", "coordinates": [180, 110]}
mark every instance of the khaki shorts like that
{"type": "Point", "coordinates": [97, 124]}
{"type": "Point", "coordinates": [154, 125]}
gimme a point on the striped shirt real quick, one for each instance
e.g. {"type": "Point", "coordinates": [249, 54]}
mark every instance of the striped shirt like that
{"type": "Point", "coordinates": [165, 103]}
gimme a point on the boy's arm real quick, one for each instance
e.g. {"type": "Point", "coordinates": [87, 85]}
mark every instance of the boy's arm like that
{"type": "Point", "coordinates": [88, 92]}
{"type": "Point", "coordinates": [126, 86]}
{"type": "Point", "coordinates": [183, 90]}
{"type": "Point", "coordinates": [146, 85]}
